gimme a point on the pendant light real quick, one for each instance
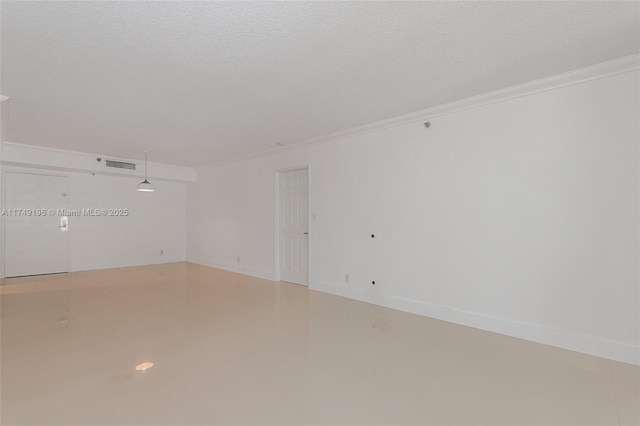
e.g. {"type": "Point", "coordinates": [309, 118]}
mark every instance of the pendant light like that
{"type": "Point", "coordinates": [145, 185]}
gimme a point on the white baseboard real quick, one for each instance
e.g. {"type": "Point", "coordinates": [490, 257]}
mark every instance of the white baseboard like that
{"type": "Point", "coordinates": [90, 266]}
{"type": "Point", "coordinates": [234, 267]}
{"type": "Point", "coordinates": [565, 339]}
{"type": "Point", "coordinates": [339, 290]}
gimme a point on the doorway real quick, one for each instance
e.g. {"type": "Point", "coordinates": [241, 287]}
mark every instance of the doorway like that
{"type": "Point", "coordinates": [36, 225]}
{"type": "Point", "coordinates": [293, 224]}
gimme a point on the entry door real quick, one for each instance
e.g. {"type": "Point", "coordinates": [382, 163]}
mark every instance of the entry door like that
{"type": "Point", "coordinates": [36, 233]}
{"type": "Point", "coordinates": [294, 226]}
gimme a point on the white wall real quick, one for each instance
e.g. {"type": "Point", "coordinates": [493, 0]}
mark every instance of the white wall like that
{"type": "Point", "coordinates": [4, 113]}
{"type": "Point", "coordinates": [156, 221]}
{"type": "Point", "coordinates": [519, 216]}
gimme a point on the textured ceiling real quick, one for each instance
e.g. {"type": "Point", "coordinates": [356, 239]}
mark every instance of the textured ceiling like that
{"type": "Point", "coordinates": [203, 82]}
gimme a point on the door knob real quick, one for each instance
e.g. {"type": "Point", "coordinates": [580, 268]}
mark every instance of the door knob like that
{"type": "Point", "coordinates": [305, 233]}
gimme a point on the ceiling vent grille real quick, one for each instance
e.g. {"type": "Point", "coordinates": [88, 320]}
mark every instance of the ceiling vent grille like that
{"type": "Point", "coordinates": [120, 165]}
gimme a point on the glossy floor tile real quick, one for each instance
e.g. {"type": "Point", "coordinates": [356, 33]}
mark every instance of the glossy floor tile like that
{"type": "Point", "coordinates": [229, 349]}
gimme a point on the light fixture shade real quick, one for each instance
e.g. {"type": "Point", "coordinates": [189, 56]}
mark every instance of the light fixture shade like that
{"type": "Point", "coordinates": [145, 186]}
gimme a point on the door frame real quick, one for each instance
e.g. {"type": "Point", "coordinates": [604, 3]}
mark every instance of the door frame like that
{"type": "Point", "coordinates": [28, 171]}
{"type": "Point", "coordinates": [276, 240]}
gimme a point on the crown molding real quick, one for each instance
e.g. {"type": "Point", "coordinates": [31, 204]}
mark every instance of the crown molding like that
{"type": "Point", "coordinates": [24, 155]}
{"type": "Point", "coordinates": [88, 154]}
{"type": "Point", "coordinates": [570, 78]}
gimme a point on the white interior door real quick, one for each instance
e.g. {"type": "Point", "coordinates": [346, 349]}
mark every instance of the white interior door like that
{"type": "Point", "coordinates": [294, 226]}
{"type": "Point", "coordinates": [36, 233]}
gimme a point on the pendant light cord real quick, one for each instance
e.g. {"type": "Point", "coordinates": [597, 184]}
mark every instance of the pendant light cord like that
{"type": "Point", "coordinates": [145, 164]}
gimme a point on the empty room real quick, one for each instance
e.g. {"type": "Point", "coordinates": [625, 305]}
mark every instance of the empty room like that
{"type": "Point", "coordinates": [320, 213]}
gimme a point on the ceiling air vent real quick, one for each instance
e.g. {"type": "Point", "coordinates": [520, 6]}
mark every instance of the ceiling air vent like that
{"type": "Point", "coordinates": [120, 165]}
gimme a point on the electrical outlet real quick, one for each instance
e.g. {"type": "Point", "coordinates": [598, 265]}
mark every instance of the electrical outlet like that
{"type": "Point", "coordinates": [346, 278]}
{"type": "Point", "coordinates": [238, 259]}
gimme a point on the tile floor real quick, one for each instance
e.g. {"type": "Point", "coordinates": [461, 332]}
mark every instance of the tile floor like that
{"type": "Point", "coordinates": [235, 350]}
